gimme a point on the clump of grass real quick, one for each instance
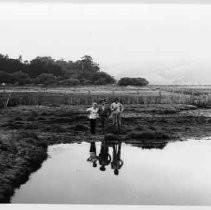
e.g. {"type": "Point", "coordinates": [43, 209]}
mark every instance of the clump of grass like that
{"type": "Point", "coordinates": [34, 114]}
{"type": "Point", "coordinates": [18, 119]}
{"type": "Point", "coordinates": [44, 114]}
{"type": "Point", "coordinates": [31, 118]}
{"type": "Point", "coordinates": [31, 126]}
{"type": "Point", "coordinates": [30, 138]}
{"type": "Point", "coordinates": [41, 118]}
{"type": "Point", "coordinates": [36, 157]}
{"type": "Point", "coordinates": [142, 128]}
{"type": "Point", "coordinates": [114, 130]}
{"type": "Point", "coordinates": [80, 127]}
{"type": "Point", "coordinates": [55, 128]}
{"type": "Point", "coordinates": [59, 120]}
{"type": "Point", "coordinates": [151, 145]}
{"type": "Point", "coordinates": [7, 146]}
{"type": "Point", "coordinates": [111, 137]}
{"type": "Point", "coordinates": [148, 135]}
{"type": "Point", "coordinates": [79, 118]}
{"type": "Point", "coordinates": [166, 111]}
{"type": "Point", "coordinates": [27, 134]}
{"type": "Point", "coordinates": [14, 125]}
{"type": "Point", "coordinates": [5, 192]}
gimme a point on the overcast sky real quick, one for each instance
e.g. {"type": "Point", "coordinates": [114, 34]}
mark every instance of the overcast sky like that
{"type": "Point", "coordinates": [160, 41]}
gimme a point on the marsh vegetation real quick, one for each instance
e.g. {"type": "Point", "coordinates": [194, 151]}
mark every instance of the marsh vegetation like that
{"type": "Point", "coordinates": [36, 118]}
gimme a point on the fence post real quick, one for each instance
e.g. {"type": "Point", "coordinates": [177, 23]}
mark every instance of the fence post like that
{"type": "Point", "coordinates": [160, 96]}
{"type": "Point", "coordinates": [113, 92]}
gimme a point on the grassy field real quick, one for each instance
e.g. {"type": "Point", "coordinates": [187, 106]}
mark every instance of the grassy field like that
{"type": "Point", "coordinates": [37, 117]}
{"type": "Point", "coordinates": [86, 95]}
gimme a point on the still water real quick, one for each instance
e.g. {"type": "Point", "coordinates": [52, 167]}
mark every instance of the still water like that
{"type": "Point", "coordinates": [177, 173]}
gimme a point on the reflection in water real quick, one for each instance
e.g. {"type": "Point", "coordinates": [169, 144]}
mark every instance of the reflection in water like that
{"type": "Point", "coordinates": [149, 144]}
{"type": "Point", "coordinates": [105, 158]}
{"type": "Point", "coordinates": [115, 161]}
{"type": "Point", "coordinates": [179, 174]}
{"type": "Point", "coordinates": [93, 156]}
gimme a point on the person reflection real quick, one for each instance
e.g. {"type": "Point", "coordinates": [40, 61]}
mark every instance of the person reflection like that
{"type": "Point", "coordinates": [104, 156]}
{"type": "Point", "coordinates": [116, 163]}
{"type": "Point", "coordinates": [93, 155]}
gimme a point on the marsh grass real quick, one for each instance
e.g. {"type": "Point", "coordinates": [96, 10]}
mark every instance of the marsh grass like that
{"type": "Point", "coordinates": [111, 137]}
{"type": "Point", "coordinates": [149, 134]}
{"type": "Point", "coordinates": [20, 154]}
{"type": "Point", "coordinates": [54, 99]}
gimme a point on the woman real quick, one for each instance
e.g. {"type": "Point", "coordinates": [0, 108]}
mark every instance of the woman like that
{"type": "Point", "coordinates": [93, 115]}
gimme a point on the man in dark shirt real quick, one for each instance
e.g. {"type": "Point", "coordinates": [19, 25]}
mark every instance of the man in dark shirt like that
{"type": "Point", "coordinates": [104, 113]}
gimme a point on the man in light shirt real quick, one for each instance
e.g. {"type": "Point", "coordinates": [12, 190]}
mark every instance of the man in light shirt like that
{"type": "Point", "coordinates": [117, 109]}
{"type": "Point", "coordinates": [93, 115]}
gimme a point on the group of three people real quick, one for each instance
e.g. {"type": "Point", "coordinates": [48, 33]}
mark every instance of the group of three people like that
{"type": "Point", "coordinates": [104, 111]}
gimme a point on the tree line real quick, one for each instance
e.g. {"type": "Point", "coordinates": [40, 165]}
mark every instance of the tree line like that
{"type": "Point", "coordinates": [48, 71]}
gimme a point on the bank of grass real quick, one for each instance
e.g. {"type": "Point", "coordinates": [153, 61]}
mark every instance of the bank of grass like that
{"type": "Point", "coordinates": [20, 154]}
{"type": "Point", "coordinates": [27, 130]}
{"type": "Point", "coordinates": [149, 134]}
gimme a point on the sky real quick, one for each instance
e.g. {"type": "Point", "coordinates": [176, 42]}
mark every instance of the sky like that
{"type": "Point", "coordinates": [165, 43]}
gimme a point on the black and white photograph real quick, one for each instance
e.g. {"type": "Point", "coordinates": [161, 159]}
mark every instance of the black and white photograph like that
{"type": "Point", "coordinates": [105, 102]}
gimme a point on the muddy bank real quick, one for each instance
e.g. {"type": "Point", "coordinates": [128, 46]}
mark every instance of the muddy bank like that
{"type": "Point", "coordinates": [20, 155]}
{"type": "Point", "coordinates": [26, 131]}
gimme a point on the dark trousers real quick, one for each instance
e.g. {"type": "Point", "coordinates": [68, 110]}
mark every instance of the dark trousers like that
{"type": "Point", "coordinates": [92, 125]}
{"type": "Point", "coordinates": [92, 147]}
{"type": "Point", "coordinates": [103, 121]}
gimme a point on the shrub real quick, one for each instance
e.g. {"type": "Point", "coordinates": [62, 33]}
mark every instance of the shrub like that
{"type": "Point", "coordinates": [111, 137]}
{"type": "Point", "coordinates": [6, 77]}
{"type": "Point", "coordinates": [148, 135]}
{"type": "Point", "coordinates": [55, 128]}
{"type": "Point", "coordinates": [80, 127]}
{"type": "Point", "coordinates": [132, 81]}
{"type": "Point", "coordinates": [21, 78]}
{"type": "Point", "coordinates": [26, 134]}
{"type": "Point", "coordinates": [102, 78]}
{"type": "Point", "coordinates": [45, 78]}
{"type": "Point", "coordinates": [69, 82]}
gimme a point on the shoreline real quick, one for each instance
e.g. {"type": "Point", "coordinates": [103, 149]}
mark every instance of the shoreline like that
{"type": "Point", "coordinates": [27, 131]}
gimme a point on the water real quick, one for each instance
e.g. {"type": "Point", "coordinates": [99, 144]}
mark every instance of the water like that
{"type": "Point", "coordinates": [178, 174]}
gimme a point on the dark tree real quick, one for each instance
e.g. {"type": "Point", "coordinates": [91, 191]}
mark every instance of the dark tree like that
{"type": "Point", "coordinates": [133, 81]}
{"type": "Point", "coordinates": [10, 65]}
{"type": "Point", "coordinates": [46, 70]}
{"type": "Point", "coordinates": [45, 79]}
{"type": "Point", "coordinates": [42, 65]}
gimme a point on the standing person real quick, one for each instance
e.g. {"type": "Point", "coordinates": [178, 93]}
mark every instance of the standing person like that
{"type": "Point", "coordinates": [104, 113]}
{"type": "Point", "coordinates": [117, 109]}
{"type": "Point", "coordinates": [93, 115]}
